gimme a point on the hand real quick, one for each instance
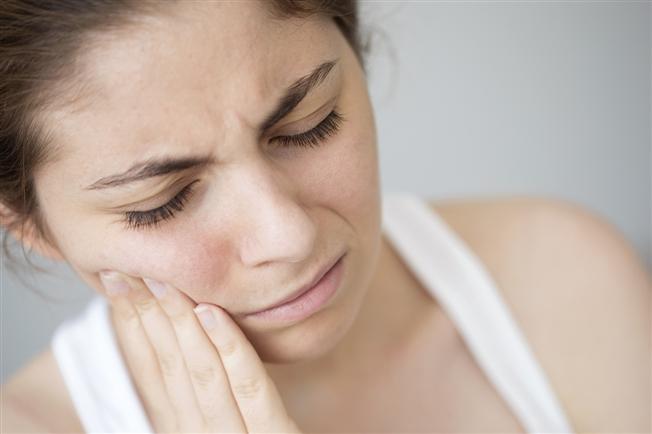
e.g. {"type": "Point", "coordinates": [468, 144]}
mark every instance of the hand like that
{"type": "Point", "coordinates": [192, 375]}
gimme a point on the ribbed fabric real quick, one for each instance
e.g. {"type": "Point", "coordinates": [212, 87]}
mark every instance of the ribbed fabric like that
{"type": "Point", "coordinates": [98, 381]}
{"type": "Point", "coordinates": [449, 270]}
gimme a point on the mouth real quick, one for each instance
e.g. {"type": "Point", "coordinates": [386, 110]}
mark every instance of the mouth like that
{"type": "Point", "coordinates": [307, 299]}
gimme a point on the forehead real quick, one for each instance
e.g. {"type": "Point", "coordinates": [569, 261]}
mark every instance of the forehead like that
{"type": "Point", "coordinates": [180, 73]}
{"type": "Point", "coordinates": [208, 41]}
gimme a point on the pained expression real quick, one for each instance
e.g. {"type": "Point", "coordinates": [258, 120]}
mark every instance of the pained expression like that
{"type": "Point", "coordinates": [262, 213]}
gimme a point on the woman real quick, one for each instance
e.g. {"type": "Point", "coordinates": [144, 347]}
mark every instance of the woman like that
{"type": "Point", "coordinates": [210, 169]}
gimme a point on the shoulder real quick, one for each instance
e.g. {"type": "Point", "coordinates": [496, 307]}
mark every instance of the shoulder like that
{"type": "Point", "coordinates": [35, 399]}
{"type": "Point", "coordinates": [580, 294]}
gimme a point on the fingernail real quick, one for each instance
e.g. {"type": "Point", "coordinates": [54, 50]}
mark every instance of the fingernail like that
{"type": "Point", "coordinates": [113, 283]}
{"type": "Point", "coordinates": [205, 315]}
{"type": "Point", "coordinates": [158, 289]}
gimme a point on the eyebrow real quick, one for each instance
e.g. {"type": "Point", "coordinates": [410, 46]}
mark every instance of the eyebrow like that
{"type": "Point", "coordinates": [150, 169]}
{"type": "Point", "coordinates": [296, 92]}
{"type": "Point", "coordinates": [292, 96]}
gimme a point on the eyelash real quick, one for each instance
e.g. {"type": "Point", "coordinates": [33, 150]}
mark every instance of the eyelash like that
{"type": "Point", "coordinates": [311, 138]}
{"type": "Point", "coordinates": [315, 136]}
{"type": "Point", "coordinates": [141, 219]}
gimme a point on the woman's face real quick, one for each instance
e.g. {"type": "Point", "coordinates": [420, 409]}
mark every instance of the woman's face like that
{"type": "Point", "coordinates": [188, 97]}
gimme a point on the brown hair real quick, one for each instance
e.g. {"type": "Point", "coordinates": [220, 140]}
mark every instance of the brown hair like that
{"type": "Point", "coordinates": [39, 42]}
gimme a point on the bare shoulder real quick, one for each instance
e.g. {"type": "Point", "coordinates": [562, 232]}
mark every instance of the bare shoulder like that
{"type": "Point", "coordinates": [35, 399]}
{"type": "Point", "coordinates": [581, 295]}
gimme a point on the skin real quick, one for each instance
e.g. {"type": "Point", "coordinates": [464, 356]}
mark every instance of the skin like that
{"type": "Point", "coordinates": [261, 220]}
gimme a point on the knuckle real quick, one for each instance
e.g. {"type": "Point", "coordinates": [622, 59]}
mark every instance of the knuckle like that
{"type": "Point", "coordinates": [213, 413]}
{"type": "Point", "coordinates": [170, 364]}
{"type": "Point", "coordinates": [249, 388]}
{"type": "Point", "coordinates": [146, 305]}
{"type": "Point", "coordinates": [180, 318]}
{"type": "Point", "coordinates": [213, 419]}
{"type": "Point", "coordinates": [228, 348]}
{"type": "Point", "coordinates": [203, 377]}
{"type": "Point", "coordinates": [128, 316]}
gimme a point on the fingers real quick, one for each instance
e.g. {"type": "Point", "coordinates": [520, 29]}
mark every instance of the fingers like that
{"type": "Point", "coordinates": [200, 360]}
{"type": "Point", "coordinates": [257, 397]}
{"type": "Point", "coordinates": [140, 357]}
{"type": "Point", "coordinates": [208, 377]}
{"type": "Point", "coordinates": [171, 361]}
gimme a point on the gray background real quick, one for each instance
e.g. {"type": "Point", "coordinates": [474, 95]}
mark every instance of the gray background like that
{"type": "Point", "coordinates": [472, 99]}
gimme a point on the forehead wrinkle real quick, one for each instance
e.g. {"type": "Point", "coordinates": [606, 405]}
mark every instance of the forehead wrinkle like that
{"type": "Point", "coordinates": [91, 92]}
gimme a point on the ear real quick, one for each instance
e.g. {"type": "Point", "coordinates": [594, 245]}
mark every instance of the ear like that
{"type": "Point", "coordinates": [28, 234]}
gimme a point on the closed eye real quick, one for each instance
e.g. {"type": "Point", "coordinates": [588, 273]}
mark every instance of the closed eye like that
{"type": "Point", "coordinates": [152, 217]}
{"type": "Point", "coordinates": [315, 136]}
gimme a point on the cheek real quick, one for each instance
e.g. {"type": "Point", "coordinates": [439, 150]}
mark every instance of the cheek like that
{"type": "Point", "coordinates": [190, 261]}
{"type": "Point", "coordinates": [355, 181]}
{"type": "Point", "coordinates": [347, 178]}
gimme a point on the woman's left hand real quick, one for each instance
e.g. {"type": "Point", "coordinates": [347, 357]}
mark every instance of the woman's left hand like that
{"type": "Point", "coordinates": [223, 377]}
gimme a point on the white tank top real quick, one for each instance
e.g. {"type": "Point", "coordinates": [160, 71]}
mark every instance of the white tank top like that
{"type": "Point", "coordinates": [106, 401]}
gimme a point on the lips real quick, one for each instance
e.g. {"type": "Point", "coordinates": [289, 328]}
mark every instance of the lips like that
{"type": "Point", "coordinates": [305, 288]}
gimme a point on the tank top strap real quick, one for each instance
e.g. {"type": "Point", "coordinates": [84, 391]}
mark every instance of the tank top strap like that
{"type": "Point", "coordinates": [461, 284]}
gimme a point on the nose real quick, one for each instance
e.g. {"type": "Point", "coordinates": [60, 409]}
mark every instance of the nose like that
{"type": "Point", "coordinates": [275, 227]}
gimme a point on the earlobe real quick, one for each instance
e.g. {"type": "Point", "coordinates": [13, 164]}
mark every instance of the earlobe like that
{"type": "Point", "coordinates": [28, 234]}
